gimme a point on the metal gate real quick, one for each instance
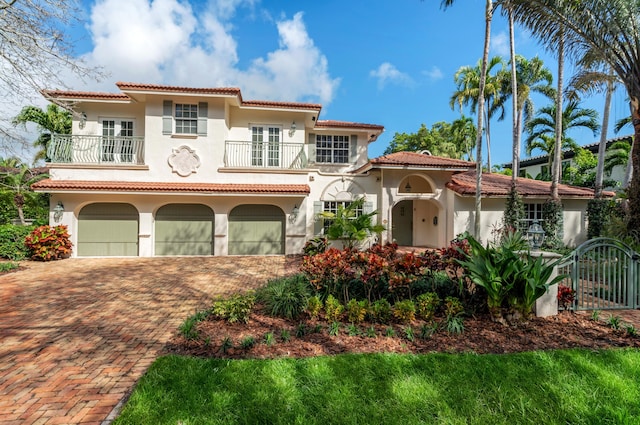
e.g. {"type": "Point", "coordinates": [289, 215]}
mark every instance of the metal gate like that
{"type": "Point", "coordinates": [605, 273]}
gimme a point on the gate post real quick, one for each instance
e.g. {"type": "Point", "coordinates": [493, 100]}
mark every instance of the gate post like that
{"type": "Point", "coordinates": [547, 305]}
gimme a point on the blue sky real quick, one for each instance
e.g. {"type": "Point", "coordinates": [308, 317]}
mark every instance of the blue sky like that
{"type": "Point", "coordinates": [374, 61]}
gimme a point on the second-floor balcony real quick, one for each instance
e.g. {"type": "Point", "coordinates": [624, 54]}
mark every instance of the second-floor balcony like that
{"type": "Point", "coordinates": [90, 149]}
{"type": "Point", "coordinates": [243, 154]}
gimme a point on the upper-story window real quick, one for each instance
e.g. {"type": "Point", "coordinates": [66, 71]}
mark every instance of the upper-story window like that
{"type": "Point", "coordinates": [117, 140]}
{"type": "Point", "coordinates": [332, 149]}
{"type": "Point", "coordinates": [265, 146]}
{"type": "Point", "coordinates": [186, 116]}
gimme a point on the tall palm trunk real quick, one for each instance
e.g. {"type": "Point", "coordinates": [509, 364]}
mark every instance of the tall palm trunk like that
{"type": "Point", "coordinates": [602, 147]}
{"type": "Point", "coordinates": [515, 163]}
{"type": "Point", "coordinates": [634, 187]}
{"type": "Point", "coordinates": [483, 73]}
{"type": "Point", "coordinates": [557, 151]}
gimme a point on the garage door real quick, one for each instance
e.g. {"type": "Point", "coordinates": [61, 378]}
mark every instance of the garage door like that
{"type": "Point", "coordinates": [256, 230]}
{"type": "Point", "coordinates": [108, 230]}
{"type": "Point", "coordinates": [184, 229]}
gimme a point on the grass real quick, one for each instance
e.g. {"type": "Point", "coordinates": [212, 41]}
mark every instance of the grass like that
{"type": "Point", "coordinates": [552, 387]}
{"type": "Point", "coordinates": [8, 266]}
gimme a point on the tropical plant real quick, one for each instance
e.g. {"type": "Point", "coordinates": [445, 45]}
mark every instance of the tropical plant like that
{"type": "Point", "coordinates": [617, 155]}
{"type": "Point", "coordinates": [350, 226]}
{"type": "Point", "coordinates": [18, 182]}
{"type": "Point", "coordinates": [314, 305]}
{"type": "Point", "coordinates": [333, 309]}
{"type": "Point", "coordinates": [47, 243]}
{"type": "Point", "coordinates": [426, 305]}
{"type": "Point", "coordinates": [236, 308]}
{"type": "Point", "coordinates": [610, 29]}
{"type": "Point", "coordinates": [356, 310]}
{"type": "Point", "coordinates": [53, 120]}
{"type": "Point", "coordinates": [285, 297]}
{"type": "Point", "coordinates": [404, 311]}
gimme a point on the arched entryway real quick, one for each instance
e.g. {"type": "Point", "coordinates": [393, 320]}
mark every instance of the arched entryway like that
{"type": "Point", "coordinates": [256, 230]}
{"type": "Point", "coordinates": [418, 222]}
{"type": "Point", "coordinates": [184, 229]}
{"type": "Point", "coordinates": [108, 229]}
{"type": "Point", "coordinates": [402, 219]}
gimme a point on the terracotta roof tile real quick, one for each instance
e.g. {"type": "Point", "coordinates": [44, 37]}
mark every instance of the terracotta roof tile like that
{"type": "Point", "coordinates": [498, 185]}
{"type": "Point", "coordinates": [232, 91]}
{"type": "Point", "coordinates": [84, 95]}
{"type": "Point", "coordinates": [275, 104]}
{"type": "Point", "coordinates": [420, 160]}
{"type": "Point", "coordinates": [347, 124]}
{"type": "Point", "coordinates": [123, 186]}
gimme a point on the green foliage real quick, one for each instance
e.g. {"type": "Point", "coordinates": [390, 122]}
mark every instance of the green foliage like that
{"type": "Point", "coordinates": [356, 310]}
{"type": "Point", "coordinates": [47, 243]}
{"type": "Point", "coordinates": [451, 140]}
{"type": "Point", "coordinates": [285, 297]}
{"type": "Point", "coordinates": [7, 267]}
{"type": "Point", "coordinates": [404, 311]}
{"type": "Point", "coordinates": [428, 329]}
{"type": "Point", "coordinates": [314, 246]}
{"type": "Point", "coordinates": [380, 311]}
{"type": "Point", "coordinates": [599, 212]}
{"type": "Point", "coordinates": [334, 329]}
{"type": "Point", "coordinates": [513, 210]}
{"type": "Point", "coordinates": [552, 224]}
{"type": "Point", "coordinates": [408, 333]}
{"type": "Point", "coordinates": [248, 342]}
{"type": "Point", "coordinates": [15, 183]}
{"type": "Point", "coordinates": [12, 239]}
{"type": "Point", "coordinates": [226, 345]}
{"type": "Point", "coordinates": [269, 339]}
{"type": "Point", "coordinates": [314, 305]}
{"type": "Point", "coordinates": [352, 330]}
{"type": "Point", "coordinates": [188, 329]}
{"type": "Point", "coordinates": [454, 325]}
{"type": "Point", "coordinates": [333, 309]}
{"type": "Point", "coordinates": [595, 315]}
{"type": "Point", "coordinates": [453, 307]}
{"type": "Point", "coordinates": [236, 308]}
{"type": "Point", "coordinates": [285, 335]}
{"type": "Point", "coordinates": [582, 169]}
{"type": "Point", "coordinates": [390, 332]}
{"type": "Point", "coordinates": [426, 305]}
{"type": "Point", "coordinates": [349, 226]}
{"type": "Point", "coordinates": [614, 322]}
{"type": "Point", "coordinates": [371, 332]}
{"type": "Point", "coordinates": [630, 330]}
{"type": "Point", "coordinates": [301, 330]}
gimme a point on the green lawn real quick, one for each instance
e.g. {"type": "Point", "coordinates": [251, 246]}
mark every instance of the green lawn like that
{"type": "Point", "coordinates": [556, 387]}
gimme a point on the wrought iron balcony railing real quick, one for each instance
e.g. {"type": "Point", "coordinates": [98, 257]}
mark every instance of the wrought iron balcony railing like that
{"type": "Point", "coordinates": [89, 149]}
{"type": "Point", "coordinates": [264, 155]}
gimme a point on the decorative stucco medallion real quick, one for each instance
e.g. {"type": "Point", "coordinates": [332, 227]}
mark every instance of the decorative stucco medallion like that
{"type": "Point", "coordinates": [184, 161]}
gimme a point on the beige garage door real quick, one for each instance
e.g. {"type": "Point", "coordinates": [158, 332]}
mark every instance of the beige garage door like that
{"type": "Point", "coordinates": [184, 229]}
{"type": "Point", "coordinates": [108, 229]}
{"type": "Point", "coordinates": [256, 230]}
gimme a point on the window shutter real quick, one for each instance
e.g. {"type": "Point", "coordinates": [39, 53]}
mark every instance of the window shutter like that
{"type": "Point", "coordinates": [353, 145]}
{"type": "Point", "coordinates": [317, 222]}
{"type": "Point", "coordinates": [167, 117]}
{"type": "Point", "coordinates": [312, 148]}
{"type": "Point", "coordinates": [202, 118]}
{"type": "Point", "coordinates": [367, 207]}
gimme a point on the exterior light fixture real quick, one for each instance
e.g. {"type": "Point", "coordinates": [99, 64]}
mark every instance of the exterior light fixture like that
{"type": "Point", "coordinates": [83, 120]}
{"type": "Point", "coordinates": [294, 214]}
{"type": "Point", "coordinates": [292, 129]}
{"type": "Point", "coordinates": [535, 235]}
{"type": "Point", "coordinates": [407, 187]}
{"type": "Point", "coordinates": [58, 210]}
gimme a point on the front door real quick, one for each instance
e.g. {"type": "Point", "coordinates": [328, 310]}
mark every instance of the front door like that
{"type": "Point", "coordinates": [402, 223]}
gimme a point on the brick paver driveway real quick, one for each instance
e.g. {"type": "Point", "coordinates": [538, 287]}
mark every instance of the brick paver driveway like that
{"type": "Point", "coordinates": [75, 335]}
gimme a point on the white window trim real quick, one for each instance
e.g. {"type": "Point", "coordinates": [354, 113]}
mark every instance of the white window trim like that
{"type": "Point", "coordinates": [332, 135]}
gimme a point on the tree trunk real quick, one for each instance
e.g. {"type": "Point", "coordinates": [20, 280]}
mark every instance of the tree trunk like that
{"type": "Point", "coordinates": [634, 186]}
{"type": "Point", "coordinates": [483, 72]}
{"type": "Point", "coordinates": [602, 147]}
{"type": "Point", "coordinates": [557, 151]}
{"type": "Point", "coordinates": [515, 162]}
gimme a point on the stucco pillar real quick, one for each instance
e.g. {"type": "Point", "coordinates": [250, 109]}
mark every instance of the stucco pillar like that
{"type": "Point", "coordinates": [547, 305]}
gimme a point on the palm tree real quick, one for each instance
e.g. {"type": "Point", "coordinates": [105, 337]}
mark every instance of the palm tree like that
{"type": "Point", "coordinates": [611, 30]}
{"type": "Point", "coordinates": [467, 92]}
{"type": "Point", "coordinates": [18, 181]}
{"type": "Point", "coordinates": [542, 129]}
{"type": "Point", "coordinates": [50, 121]}
{"type": "Point", "coordinates": [465, 133]}
{"type": "Point", "coordinates": [617, 155]}
{"type": "Point", "coordinates": [488, 16]}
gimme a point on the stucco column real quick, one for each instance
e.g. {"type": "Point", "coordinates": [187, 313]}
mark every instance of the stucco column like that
{"type": "Point", "coordinates": [547, 305]}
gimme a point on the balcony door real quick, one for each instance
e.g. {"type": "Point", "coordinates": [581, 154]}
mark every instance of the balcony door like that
{"type": "Point", "coordinates": [117, 140]}
{"type": "Point", "coordinates": [265, 146]}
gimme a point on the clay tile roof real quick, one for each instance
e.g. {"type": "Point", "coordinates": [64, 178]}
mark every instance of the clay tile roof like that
{"type": "Point", "coordinates": [415, 159]}
{"type": "Point", "coordinates": [498, 185]}
{"type": "Point", "coordinates": [347, 124]}
{"type": "Point", "coordinates": [84, 95]}
{"type": "Point", "coordinates": [274, 104]}
{"type": "Point", "coordinates": [232, 91]}
{"type": "Point", "coordinates": [122, 186]}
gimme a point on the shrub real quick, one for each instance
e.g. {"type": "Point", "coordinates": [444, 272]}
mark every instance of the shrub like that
{"type": "Point", "coordinates": [380, 311]}
{"type": "Point", "coordinates": [455, 325]}
{"type": "Point", "coordinates": [356, 310]}
{"type": "Point", "coordinates": [5, 267]}
{"type": "Point", "coordinates": [248, 342]}
{"type": "Point", "coordinates": [12, 240]}
{"type": "Point", "coordinates": [188, 329]}
{"type": "Point", "coordinates": [317, 245]}
{"type": "Point", "coordinates": [404, 311]}
{"type": "Point", "coordinates": [285, 297]}
{"type": "Point", "coordinates": [46, 243]}
{"type": "Point", "coordinates": [237, 308]}
{"type": "Point", "coordinates": [453, 307]}
{"type": "Point", "coordinates": [314, 305]}
{"type": "Point", "coordinates": [426, 305]}
{"type": "Point", "coordinates": [333, 309]}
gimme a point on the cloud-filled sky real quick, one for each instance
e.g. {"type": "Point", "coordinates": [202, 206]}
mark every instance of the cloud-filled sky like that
{"type": "Point", "coordinates": [373, 61]}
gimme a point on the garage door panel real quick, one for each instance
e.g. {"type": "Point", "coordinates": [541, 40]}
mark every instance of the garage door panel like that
{"type": "Point", "coordinates": [256, 230]}
{"type": "Point", "coordinates": [108, 229]}
{"type": "Point", "coordinates": [184, 229]}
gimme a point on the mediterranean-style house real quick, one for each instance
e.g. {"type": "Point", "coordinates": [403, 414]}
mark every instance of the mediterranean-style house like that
{"type": "Point", "coordinates": [162, 170]}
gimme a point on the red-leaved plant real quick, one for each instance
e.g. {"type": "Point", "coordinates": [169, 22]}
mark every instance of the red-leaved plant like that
{"type": "Point", "coordinates": [47, 243]}
{"type": "Point", "coordinates": [566, 296]}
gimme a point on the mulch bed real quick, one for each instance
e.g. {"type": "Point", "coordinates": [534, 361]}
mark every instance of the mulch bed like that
{"type": "Point", "coordinates": [481, 335]}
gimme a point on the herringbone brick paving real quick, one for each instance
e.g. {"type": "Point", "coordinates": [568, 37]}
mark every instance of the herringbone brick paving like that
{"type": "Point", "coordinates": [76, 334]}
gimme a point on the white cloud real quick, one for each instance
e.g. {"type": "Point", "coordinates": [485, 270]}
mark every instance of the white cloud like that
{"type": "Point", "coordinates": [500, 44]}
{"type": "Point", "coordinates": [434, 74]}
{"type": "Point", "coordinates": [168, 43]}
{"type": "Point", "coordinates": [388, 73]}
